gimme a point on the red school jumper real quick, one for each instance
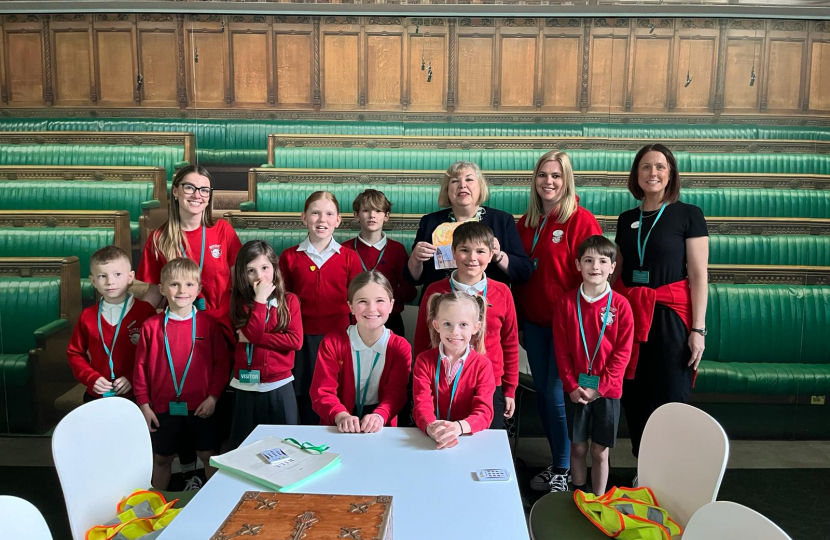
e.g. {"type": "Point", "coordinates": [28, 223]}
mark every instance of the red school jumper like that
{"type": "Point", "coordinates": [273, 351]}
{"type": "Point", "coordinates": [221, 247]}
{"type": "Point", "coordinates": [391, 266]}
{"type": "Point", "coordinates": [209, 370]}
{"type": "Point", "coordinates": [501, 342]}
{"type": "Point", "coordinates": [322, 290]}
{"type": "Point", "coordinates": [556, 270]}
{"type": "Point", "coordinates": [614, 352]}
{"type": "Point", "coordinates": [87, 357]}
{"type": "Point", "coordinates": [473, 397]}
{"type": "Point", "coordinates": [333, 386]}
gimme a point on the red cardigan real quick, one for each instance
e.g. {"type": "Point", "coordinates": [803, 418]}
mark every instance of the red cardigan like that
{"type": "Point", "coordinates": [391, 266]}
{"type": "Point", "coordinates": [322, 290]}
{"type": "Point", "coordinates": [614, 352]}
{"type": "Point", "coordinates": [501, 342]}
{"type": "Point", "coordinates": [209, 370]}
{"type": "Point", "coordinates": [86, 354]}
{"type": "Point", "coordinates": [333, 385]}
{"type": "Point", "coordinates": [273, 351]}
{"type": "Point", "coordinates": [473, 397]}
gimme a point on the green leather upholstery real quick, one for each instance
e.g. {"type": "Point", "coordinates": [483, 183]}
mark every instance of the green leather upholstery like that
{"type": "Point", "coordinates": [281, 239]}
{"type": "Point", "coordinates": [783, 250]}
{"type": "Point", "coordinates": [79, 195]}
{"type": "Point", "coordinates": [767, 339]}
{"type": "Point", "coordinates": [17, 405]}
{"type": "Point", "coordinates": [232, 157]}
{"type": "Point", "coordinates": [57, 242]}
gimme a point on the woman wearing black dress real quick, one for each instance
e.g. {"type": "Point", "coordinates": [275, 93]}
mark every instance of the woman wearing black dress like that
{"type": "Point", "coordinates": [663, 245]}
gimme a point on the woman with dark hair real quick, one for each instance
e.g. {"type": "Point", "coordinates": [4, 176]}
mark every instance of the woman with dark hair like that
{"type": "Point", "coordinates": [663, 252]}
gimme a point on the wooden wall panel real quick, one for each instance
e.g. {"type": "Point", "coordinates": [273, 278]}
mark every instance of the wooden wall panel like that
{"type": "Point", "coordinates": [159, 66]}
{"type": "Point", "coordinates": [249, 54]}
{"type": "Point", "coordinates": [24, 61]}
{"type": "Point", "coordinates": [340, 70]}
{"type": "Point", "coordinates": [116, 66]}
{"type": "Point", "coordinates": [423, 95]}
{"type": "Point", "coordinates": [293, 68]}
{"type": "Point", "coordinates": [561, 72]}
{"type": "Point", "coordinates": [650, 74]}
{"type": "Point", "coordinates": [475, 72]}
{"type": "Point", "coordinates": [784, 75]}
{"type": "Point", "coordinates": [384, 55]}
{"type": "Point", "coordinates": [738, 94]}
{"type": "Point", "coordinates": [697, 59]}
{"type": "Point", "coordinates": [72, 67]}
{"type": "Point", "coordinates": [206, 81]}
{"type": "Point", "coordinates": [518, 71]}
{"type": "Point", "coordinates": [820, 77]}
{"type": "Point", "coordinates": [607, 77]}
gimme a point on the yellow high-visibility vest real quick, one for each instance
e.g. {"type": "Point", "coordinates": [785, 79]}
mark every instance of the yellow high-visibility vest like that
{"type": "Point", "coordinates": [141, 513]}
{"type": "Point", "coordinates": [628, 514]}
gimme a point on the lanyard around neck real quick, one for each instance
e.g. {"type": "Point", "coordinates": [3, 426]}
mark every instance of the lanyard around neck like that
{"type": "Point", "coordinates": [360, 402]}
{"type": "Point", "coordinates": [202, 257]}
{"type": "Point", "coordinates": [361, 258]}
{"type": "Point", "coordinates": [483, 294]}
{"type": "Point", "coordinates": [178, 386]}
{"type": "Point", "coordinates": [249, 347]}
{"type": "Point", "coordinates": [641, 247]}
{"type": "Point", "coordinates": [454, 387]}
{"type": "Point", "coordinates": [109, 350]}
{"type": "Point", "coordinates": [582, 327]}
{"type": "Point", "coordinates": [539, 229]}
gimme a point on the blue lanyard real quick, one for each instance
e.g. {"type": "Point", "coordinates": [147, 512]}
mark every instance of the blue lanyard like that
{"type": "Point", "coordinates": [483, 294]}
{"type": "Point", "coordinates": [360, 402]}
{"type": "Point", "coordinates": [202, 258]}
{"type": "Point", "coordinates": [454, 387]}
{"type": "Point", "coordinates": [361, 258]}
{"type": "Point", "coordinates": [117, 329]}
{"type": "Point", "coordinates": [582, 328]}
{"type": "Point", "coordinates": [641, 248]}
{"type": "Point", "coordinates": [249, 347]}
{"type": "Point", "coordinates": [538, 232]}
{"type": "Point", "coordinates": [178, 386]}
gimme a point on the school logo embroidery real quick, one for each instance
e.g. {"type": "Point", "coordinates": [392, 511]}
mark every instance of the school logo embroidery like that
{"type": "Point", "coordinates": [611, 316]}
{"type": "Point", "coordinates": [135, 333]}
{"type": "Point", "coordinates": [216, 251]}
{"type": "Point", "coordinates": [312, 268]}
{"type": "Point", "coordinates": [557, 235]}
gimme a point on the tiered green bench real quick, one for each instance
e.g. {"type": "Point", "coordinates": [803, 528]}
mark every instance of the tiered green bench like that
{"type": "Point", "coordinates": [141, 191]}
{"type": "Point", "coordinates": [40, 302]}
{"type": "Point", "coordinates": [64, 233]}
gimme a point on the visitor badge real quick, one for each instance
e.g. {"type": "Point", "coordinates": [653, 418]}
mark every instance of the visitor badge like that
{"type": "Point", "coordinates": [535, 264]}
{"type": "Point", "coordinates": [178, 408]}
{"type": "Point", "coordinates": [588, 381]}
{"type": "Point", "coordinates": [249, 376]}
{"type": "Point", "coordinates": [110, 393]}
{"type": "Point", "coordinates": [640, 276]}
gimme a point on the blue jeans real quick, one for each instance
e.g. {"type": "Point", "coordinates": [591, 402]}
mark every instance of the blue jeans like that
{"type": "Point", "coordinates": [549, 394]}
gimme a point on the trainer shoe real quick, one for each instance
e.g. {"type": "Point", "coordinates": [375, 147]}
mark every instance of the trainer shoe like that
{"type": "Point", "coordinates": [194, 484]}
{"type": "Point", "coordinates": [559, 482]}
{"type": "Point", "coordinates": [541, 482]}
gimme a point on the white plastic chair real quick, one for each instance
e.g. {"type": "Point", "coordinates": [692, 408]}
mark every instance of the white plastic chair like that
{"type": "Point", "coordinates": [723, 520]}
{"type": "Point", "coordinates": [21, 519]}
{"type": "Point", "coordinates": [102, 453]}
{"type": "Point", "coordinates": [683, 456]}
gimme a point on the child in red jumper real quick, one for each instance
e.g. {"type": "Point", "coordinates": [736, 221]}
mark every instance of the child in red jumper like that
{"type": "Point", "coordinates": [181, 369]}
{"type": "Point", "coordinates": [318, 271]}
{"type": "Point", "coordinates": [472, 247]}
{"type": "Point", "coordinates": [593, 332]}
{"type": "Point", "coordinates": [101, 352]}
{"type": "Point", "coordinates": [378, 252]}
{"type": "Point", "coordinates": [453, 383]}
{"type": "Point", "coordinates": [269, 328]}
{"type": "Point", "coordinates": [360, 379]}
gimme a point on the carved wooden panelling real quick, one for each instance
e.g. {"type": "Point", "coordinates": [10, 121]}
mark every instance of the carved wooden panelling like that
{"type": "Point", "coordinates": [475, 72]}
{"type": "Point", "coordinates": [696, 67]}
{"type": "Point", "coordinates": [649, 77]}
{"type": "Point", "coordinates": [741, 56]}
{"type": "Point", "coordinates": [518, 71]}
{"type": "Point", "coordinates": [24, 72]}
{"type": "Point", "coordinates": [206, 77]}
{"type": "Point", "coordinates": [784, 75]}
{"type": "Point", "coordinates": [340, 70]}
{"type": "Point", "coordinates": [116, 66]}
{"type": "Point", "coordinates": [820, 76]}
{"type": "Point", "coordinates": [158, 67]}
{"type": "Point", "coordinates": [293, 69]}
{"type": "Point", "coordinates": [561, 72]}
{"type": "Point", "coordinates": [607, 79]}
{"type": "Point", "coordinates": [383, 83]}
{"type": "Point", "coordinates": [72, 67]}
{"type": "Point", "coordinates": [250, 67]}
{"type": "Point", "coordinates": [427, 95]}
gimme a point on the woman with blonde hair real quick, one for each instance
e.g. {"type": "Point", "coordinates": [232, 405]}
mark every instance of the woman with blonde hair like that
{"type": "Point", "coordinates": [551, 230]}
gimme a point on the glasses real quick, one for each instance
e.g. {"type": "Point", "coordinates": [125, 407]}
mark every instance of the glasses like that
{"type": "Point", "coordinates": [190, 189]}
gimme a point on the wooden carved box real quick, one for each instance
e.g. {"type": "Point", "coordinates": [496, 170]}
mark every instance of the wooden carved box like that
{"type": "Point", "coordinates": [295, 516]}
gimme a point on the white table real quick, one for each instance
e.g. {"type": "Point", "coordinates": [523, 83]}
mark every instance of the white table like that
{"type": "Point", "coordinates": [435, 492]}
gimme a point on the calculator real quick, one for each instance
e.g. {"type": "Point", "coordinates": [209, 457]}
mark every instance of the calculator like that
{"type": "Point", "coordinates": [492, 475]}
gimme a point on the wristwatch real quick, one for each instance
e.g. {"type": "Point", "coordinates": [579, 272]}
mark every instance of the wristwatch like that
{"type": "Point", "coordinates": [701, 331]}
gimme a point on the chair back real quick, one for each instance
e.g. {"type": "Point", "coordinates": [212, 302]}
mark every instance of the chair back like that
{"type": "Point", "coordinates": [723, 520]}
{"type": "Point", "coordinates": [21, 519]}
{"type": "Point", "coordinates": [102, 453]}
{"type": "Point", "coordinates": [683, 456]}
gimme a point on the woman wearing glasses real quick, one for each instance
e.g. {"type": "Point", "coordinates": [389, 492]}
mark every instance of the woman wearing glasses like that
{"type": "Point", "coordinates": [190, 231]}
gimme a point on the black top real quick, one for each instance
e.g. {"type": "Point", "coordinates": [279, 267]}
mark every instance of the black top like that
{"type": "Point", "coordinates": [504, 228]}
{"type": "Point", "coordinates": [665, 256]}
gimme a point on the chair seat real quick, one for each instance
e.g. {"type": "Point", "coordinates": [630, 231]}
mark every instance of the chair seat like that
{"type": "Point", "coordinates": [556, 517]}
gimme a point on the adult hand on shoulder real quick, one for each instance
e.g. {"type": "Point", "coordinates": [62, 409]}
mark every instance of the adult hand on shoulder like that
{"type": "Point", "coordinates": [263, 290]}
{"type": "Point", "coordinates": [347, 423]}
{"type": "Point", "coordinates": [578, 396]}
{"type": "Point", "coordinates": [423, 251]}
{"type": "Point", "coordinates": [697, 344]}
{"type": "Point", "coordinates": [371, 423]}
{"type": "Point", "coordinates": [102, 386]}
{"type": "Point", "coordinates": [509, 407]}
{"type": "Point", "coordinates": [206, 408]}
{"type": "Point", "coordinates": [122, 386]}
{"type": "Point", "coordinates": [150, 417]}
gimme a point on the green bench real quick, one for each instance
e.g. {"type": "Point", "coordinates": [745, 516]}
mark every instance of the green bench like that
{"type": "Point", "coordinates": [40, 302]}
{"type": "Point", "coordinates": [141, 191]}
{"type": "Point", "coordinates": [64, 233]}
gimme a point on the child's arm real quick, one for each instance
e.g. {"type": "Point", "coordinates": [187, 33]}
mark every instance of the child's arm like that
{"type": "Point", "coordinates": [141, 388]}
{"type": "Point", "coordinates": [482, 411]}
{"type": "Point", "coordinates": [290, 339]}
{"type": "Point", "coordinates": [79, 363]}
{"type": "Point", "coordinates": [423, 394]}
{"type": "Point", "coordinates": [325, 382]}
{"type": "Point", "coordinates": [150, 417]}
{"type": "Point", "coordinates": [422, 340]}
{"type": "Point", "coordinates": [221, 368]}
{"type": "Point", "coordinates": [614, 371]}
{"type": "Point", "coordinates": [394, 393]}
{"type": "Point", "coordinates": [510, 351]}
{"type": "Point", "coordinates": [563, 348]}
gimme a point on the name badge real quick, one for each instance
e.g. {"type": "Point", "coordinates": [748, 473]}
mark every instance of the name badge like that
{"type": "Point", "coordinates": [178, 408]}
{"type": "Point", "coordinates": [111, 393]}
{"type": "Point", "coordinates": [535, 263]}
{"type": "Point", "coordinates": [249, 376]}
{"type": "Point", "coordinates": [640, 276]}
{"type": "Point", "coordinates": [588, 381]}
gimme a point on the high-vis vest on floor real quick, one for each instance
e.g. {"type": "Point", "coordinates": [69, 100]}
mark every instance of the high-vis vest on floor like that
{"type": "Point", "coordinates": [628, 514]}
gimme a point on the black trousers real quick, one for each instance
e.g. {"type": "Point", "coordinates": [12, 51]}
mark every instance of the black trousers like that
{"type": "Point", "coordinates": [395, 324]}
{"type": "Point", "coordinates": [254, 408]}
{"type": "Point", "coordinates": [499, 405]}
